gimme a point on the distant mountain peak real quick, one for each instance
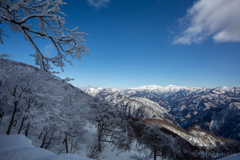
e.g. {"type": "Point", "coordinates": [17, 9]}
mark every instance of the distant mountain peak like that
{"type": "Point", "coordinates": [169, 88]}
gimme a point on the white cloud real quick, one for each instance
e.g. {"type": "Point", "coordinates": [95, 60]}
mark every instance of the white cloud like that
{"type": "Point", "coordinates": [218, 19]}
{"type": "Point", "coordinates": [98, 3]}
{"type": "Point", "coordinates": [93, 86]}
{"type": "Point", "coordinates": [85, 87]}
{"type": "Point", "coordinates": [49, 50]}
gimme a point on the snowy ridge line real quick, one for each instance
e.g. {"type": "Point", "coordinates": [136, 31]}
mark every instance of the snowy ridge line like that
{"type": "Point", "coordinates": [144, 106]}
{"type": "Point", "coordinates": [169, 88]}
{"type": "Point", "coordinates": [150, 104]}
{"type": "Point", "coordinates": [154, 106]}
{"type": "Point", "coordinates": [135, 99]}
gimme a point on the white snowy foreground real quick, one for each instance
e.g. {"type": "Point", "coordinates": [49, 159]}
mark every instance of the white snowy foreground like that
{"type": "Point", "coordinates": [19, 147]}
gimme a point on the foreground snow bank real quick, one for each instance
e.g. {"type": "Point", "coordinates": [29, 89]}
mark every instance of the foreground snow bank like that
{"type": "Point", "coordinates": [231, 157]}
{"type": "Point", "coordinates": [19, 147]}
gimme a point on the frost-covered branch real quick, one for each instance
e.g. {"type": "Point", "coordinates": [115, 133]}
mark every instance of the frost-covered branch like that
{"type": "Point", "coordinates": [6, 56]}
{"type": "Point", "coordinates": [18, 14]}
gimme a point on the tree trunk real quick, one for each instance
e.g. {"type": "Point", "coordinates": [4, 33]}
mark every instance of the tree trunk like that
{"type": "Point", "coordinates": [155, 155]}
{"type": "Point", "coordinates": [23, 119]}
{"type": "Point", "coordinates": [44, 138]}
{"type": "Point", "coordinates": [99, 138]}
{"type": "Point", "coordinates": [42, 132]}
{"type": "Point", "coordinates": [12, 119]}
{"type": "Point", "coordinates": [26, 133]}
{"type": "Point", "coordinates": [66, 144]}
{"type": "Point", "coordinates": [1, 114]}
{"type": "Point", "coordinates": [49, 142]}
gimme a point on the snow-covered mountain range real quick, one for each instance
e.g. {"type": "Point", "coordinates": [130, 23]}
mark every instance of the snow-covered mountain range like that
{"type": "Point", "coordinates": [216, 110]}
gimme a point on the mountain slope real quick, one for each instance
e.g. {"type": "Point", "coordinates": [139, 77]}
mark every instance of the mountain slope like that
{"type": "Point", "coordinates": [137, 107]}
{"type": "Point", "coordinates": [215, 110]}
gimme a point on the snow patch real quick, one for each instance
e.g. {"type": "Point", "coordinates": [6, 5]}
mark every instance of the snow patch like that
{"type": "Point", "coordinates": [214, 124]}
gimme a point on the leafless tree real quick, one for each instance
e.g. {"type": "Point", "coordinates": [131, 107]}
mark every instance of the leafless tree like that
{"type": "Point", "coordinates": [46, 13]}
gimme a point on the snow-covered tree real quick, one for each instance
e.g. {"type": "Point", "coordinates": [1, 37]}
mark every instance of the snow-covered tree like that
{"type": "Point", "coordinates": [112, 128]}
{"type": "Point", "coordinates": [47, 110]}
{"type": "Point", "coordinates": [152, 137]}
{"type": "Point", "coordinates": [46, 13]}
{"type": "Point", "coordinates": [74, 118]}
{"type": "Point", "coordinates": [14, 87]}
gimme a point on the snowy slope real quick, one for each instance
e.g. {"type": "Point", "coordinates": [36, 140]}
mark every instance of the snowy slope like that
{"type": "Point", "coordinates": [57, 112]}
{"type": "Point", "coordinates": [58, 109]}
{"type": "Point", "coordinates": [137, 107]}
{"type": "Point", "coordinates": [18, 147]}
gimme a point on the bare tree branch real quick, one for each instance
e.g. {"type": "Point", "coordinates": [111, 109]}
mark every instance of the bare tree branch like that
{"type": "Point", "coordinates": [50, 25]}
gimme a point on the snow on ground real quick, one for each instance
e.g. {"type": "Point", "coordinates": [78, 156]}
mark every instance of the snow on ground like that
{"type": "Point", "coordinates": [214, 124]}
{"type": "Point", "coordinates": [108, 152]}
{"type": "Point", "coordinates": [231, 157]}
{"type": "Point", "coordinates": [19, 147]}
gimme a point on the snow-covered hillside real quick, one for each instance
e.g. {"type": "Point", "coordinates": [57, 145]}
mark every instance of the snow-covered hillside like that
{"type": "Point", "coordinates": [137, 107]}
{"type": "Point", "coordinates": [56, 115]}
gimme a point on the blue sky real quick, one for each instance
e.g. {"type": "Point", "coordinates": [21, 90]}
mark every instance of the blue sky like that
{"type": "Point", "coordinates": [145, 42]}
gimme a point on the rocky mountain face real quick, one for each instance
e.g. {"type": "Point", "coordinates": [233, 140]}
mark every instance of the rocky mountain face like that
{"type": "Point", "coordinates": [215, 110]}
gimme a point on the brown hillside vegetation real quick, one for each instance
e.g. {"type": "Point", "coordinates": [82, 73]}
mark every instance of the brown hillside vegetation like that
{"type": "Point", "coordinates": [162, 123]}
{"type": "Point", "coordinates": [169, 143]}
{"type": "Point", "coordinates": [193, 135]}
{"type": "Point", "coordinates": [209, 133]}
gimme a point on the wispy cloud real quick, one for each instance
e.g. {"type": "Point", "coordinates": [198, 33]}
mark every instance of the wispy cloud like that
{"type": "Point", "coordinates": [98, 3]}
{"type": "Point", "coordinates": [218, 19]}
{"type": "Point", "coordinates": [49, 50]}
